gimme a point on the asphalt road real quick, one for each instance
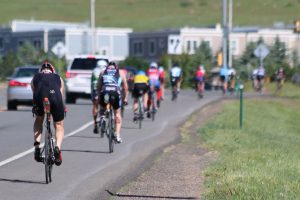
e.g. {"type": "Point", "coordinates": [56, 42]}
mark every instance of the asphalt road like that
{"type": "Point", "coordinates": [87, 169]}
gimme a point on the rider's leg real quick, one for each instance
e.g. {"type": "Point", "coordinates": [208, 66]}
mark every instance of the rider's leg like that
{"type": "Point", "coordinates": [38, 129]}
{"type": "Point", "coordinates": [145, 99]}
{"type": "Point", "coordinates": [118, 121]}
{"type": "Point", "coordinates": [59, 129]}
{"type": "Point", "coordinates": [95, 111]}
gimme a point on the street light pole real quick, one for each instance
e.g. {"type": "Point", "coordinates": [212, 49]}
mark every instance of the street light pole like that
{"type": "Point", "coordinates": [225, 33]}
{"type": "Point", "coordinates": [92, 23]}
{"type": "Point", "coordinates": [229, 34]}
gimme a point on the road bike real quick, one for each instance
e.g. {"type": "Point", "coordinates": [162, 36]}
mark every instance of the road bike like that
{"type": "Point", "coordinates": [48, 149]}
{"type": "Point", "coordinates": [107, 124]}
{"type": "Point", "coordinates": [141, 111]}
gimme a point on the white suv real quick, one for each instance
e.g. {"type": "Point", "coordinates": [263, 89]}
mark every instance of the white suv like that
{"type": "Point", "coordinates": [78, 77]}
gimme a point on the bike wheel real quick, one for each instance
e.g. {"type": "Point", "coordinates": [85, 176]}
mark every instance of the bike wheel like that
{"type": "Point", "coordinates": [48, 158]}
{"type": "Point", "coordinates": [111, 133]}
{"type": "Point", "coordinates": [140, 113]}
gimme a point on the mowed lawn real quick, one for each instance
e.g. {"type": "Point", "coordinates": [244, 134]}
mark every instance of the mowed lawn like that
{"type": "Point", "coordinates": [260, 161]}
{"type": "Point", "coordinates": [144, 15]}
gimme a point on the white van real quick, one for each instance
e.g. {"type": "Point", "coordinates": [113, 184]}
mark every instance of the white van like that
{"type": "Point", "coordinates": [78, 77]}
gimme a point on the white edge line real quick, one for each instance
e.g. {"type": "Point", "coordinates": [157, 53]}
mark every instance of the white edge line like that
{"type": "Point", "coordinates": [20, 155]}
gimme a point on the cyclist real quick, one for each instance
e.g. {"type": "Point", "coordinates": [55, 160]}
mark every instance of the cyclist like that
{"type": "Point", "coordinates": [199, 79]}
{"type": "Point", "coordinates": [101, 65]}
{"type": "Point", "coordinates": [47, 83]}
{"type": "Point", "coordinates": [112, 81]}
{"type": "Point", "coordinates": [280, 77]}
{"type": "Point", "coordinates": [162, 81]}
{"type": "Point", "coordinates": [223, 78]}
{"type": "Point", "coordinates": [175, 77]}
{"type": "Point", "coordinates": [140, 88]}
{"type": "Point", "coordinates": [253, 78]}
{"type": "Point", "coordinates": [231, 79]}
{"type": "Point", "coordinates": [154, 84]}
{"type": "Point", "coordinates": [260, 78]}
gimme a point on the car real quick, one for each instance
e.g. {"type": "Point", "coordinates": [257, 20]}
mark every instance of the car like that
{"type": "Point", "coordinates": [19, 88]}
{"type": "Point", "coordinates": [78, 77]}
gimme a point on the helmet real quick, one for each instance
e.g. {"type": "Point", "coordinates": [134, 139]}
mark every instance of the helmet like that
{"type": "Point", "coordinates": [153, 65]}
{"type": "Point", "coordinates": [47, 68]}
{"type": "Point", "coordinates": [201, 67]}
{"type": "Point", "coordinates": [112, 63]}
{"type": "Point", "coordinates": [101, 63]}
{"type": "Point", "coordinates": [161, 69]}
{"type": "Point", "coordinates": [141, 72]}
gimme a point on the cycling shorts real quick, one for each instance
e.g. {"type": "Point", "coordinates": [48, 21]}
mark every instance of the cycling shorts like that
{"type": "Point", "coordinates": [223, 78]}
{"type": "Point", "coordinates": [114, 96]}
{"type": "Point", "coordinates": [57, 108]}
{"type": "Point", "coordinates": [94, 95]}
{"type": "Point", "coordinates": [174, 81]}
{"type": "Point", "coordinates": [139, 89]}
{"type": "Point", "coordinates": [260, 77]}
{"type": "Point", "coordinates": [199, 79]}
{"type": "Point", "coordinates": [155, 83]}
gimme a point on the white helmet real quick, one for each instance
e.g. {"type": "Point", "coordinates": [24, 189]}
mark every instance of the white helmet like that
{"type": "Point", "coordinates": [101, 63]}
{"type": "Point", "coordinates": [154, 65]}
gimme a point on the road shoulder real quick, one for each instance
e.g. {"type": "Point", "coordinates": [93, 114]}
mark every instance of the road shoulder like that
{"type": "Point", "coordinates": [178, 172]}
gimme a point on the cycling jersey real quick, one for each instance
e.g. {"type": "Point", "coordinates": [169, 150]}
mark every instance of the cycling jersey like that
{"type": "Point", "coordinates": [261, 71]}
{"type": "Point", "coordinates": [95, 76]}
{"type": "Point", "coordinates": [199, 76]}
{"type": "Point", "coordinates": [175, 72]}
{"type": "Point", "coordinates": [153, 75]}
{"type": "Point", "coordinates": [111, 85]}
{"type": "Point", "coordinates": [140, 79]}
{"type": "Point", "coordinates": [48, 85]}
{"type": "Point", "coordinates": [111, 77]}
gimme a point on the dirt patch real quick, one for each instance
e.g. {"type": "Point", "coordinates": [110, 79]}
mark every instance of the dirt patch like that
{"type": "Point", "coordinates": [178, 173]}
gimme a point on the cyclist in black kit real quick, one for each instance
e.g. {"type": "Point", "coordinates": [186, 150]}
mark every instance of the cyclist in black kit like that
{"type": "Point", "coordinates": [47, 83]}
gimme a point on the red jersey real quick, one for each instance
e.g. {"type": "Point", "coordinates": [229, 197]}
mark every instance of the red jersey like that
{"type": "Point", "coordinates": [153, 74]}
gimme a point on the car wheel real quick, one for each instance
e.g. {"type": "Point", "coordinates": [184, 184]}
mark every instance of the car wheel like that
{"type": "Point", "coordinates": [11, 105]}
{"type": "Point", "coordinates": [70, 98]}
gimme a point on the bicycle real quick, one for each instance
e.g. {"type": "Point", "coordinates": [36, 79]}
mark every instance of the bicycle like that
{"type": "Point", "coordinates": [48, 148]}
{"type": "Point", "coordinates": [107, 124]}
{"type": "Point", "coordinates": [141, 111]}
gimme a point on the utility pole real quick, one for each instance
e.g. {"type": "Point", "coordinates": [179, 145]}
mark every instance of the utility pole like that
{"type": "Point", "coordinates": [229, 34]}
{"type": "Point", "coordinates": [92, 24]}
{"type": "Point", "coordinates": [225, 33]}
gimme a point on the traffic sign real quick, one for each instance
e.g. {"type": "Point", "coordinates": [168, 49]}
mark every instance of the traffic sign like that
{"type": "Point", "coordinates": [59, 49]}
{"type": "Point", "coordinates": [261, 51]}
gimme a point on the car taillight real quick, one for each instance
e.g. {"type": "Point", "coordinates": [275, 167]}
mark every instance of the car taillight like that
{"type": "Point", "coordinates": [70, 74]}
{"type": "Point", "coordinates": [13, 83]}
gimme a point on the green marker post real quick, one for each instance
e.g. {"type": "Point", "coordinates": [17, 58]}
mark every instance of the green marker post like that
{"type": "Point", "coordinates": [241, 105]}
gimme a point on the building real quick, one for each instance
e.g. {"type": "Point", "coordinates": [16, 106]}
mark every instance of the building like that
{"type": "Point", "coordinates": [74, 39]}
{"type": "Point", "coordinates": [151, 45]}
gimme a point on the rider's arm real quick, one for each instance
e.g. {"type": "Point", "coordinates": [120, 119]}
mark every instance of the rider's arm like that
{"type": "Point", "coordinates": [99, 82]}
{"type": "Point", "coordinates": [125, 85]}
{"type": "Point", "coordinates": [62, 88]}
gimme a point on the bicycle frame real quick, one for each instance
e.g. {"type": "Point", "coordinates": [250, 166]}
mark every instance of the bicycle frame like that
{"type": "Point", "coordinates": [110, 127]}
{"type": "Point", "coordinates": [49, 143]}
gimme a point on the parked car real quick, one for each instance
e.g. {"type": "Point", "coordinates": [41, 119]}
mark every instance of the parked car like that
{"type": "Point", "coordinates": [19, 89]}
{"type": "Point", "coordinates": [78, 77]}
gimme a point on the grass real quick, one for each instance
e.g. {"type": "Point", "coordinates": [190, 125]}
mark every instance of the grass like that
{"type": "Point", "coordinates": [289, 90]}
{"type": "Point", "coordinates": [260, 161]}
{"type": "Point", "coordinates": [144, 15]}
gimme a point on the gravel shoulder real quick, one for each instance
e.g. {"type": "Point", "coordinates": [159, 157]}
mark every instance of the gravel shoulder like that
{"type": "Point", "coordinates": [178, 172]}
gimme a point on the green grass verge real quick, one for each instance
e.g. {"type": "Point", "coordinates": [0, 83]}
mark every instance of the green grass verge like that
{"type": "Point", "coordinates": [143, 15]}
{"type": "Point", "coordinates": [260, 161]}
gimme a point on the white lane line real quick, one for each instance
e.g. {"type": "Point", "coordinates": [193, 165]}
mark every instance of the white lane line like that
{"type": "Point", "coordinates": [20, 155]}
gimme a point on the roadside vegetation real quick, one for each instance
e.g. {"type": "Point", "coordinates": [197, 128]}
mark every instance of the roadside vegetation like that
{"type": "Point", "coordinates": [260, 161]}
{"type": "Point", "coordinates": [144, 15]}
